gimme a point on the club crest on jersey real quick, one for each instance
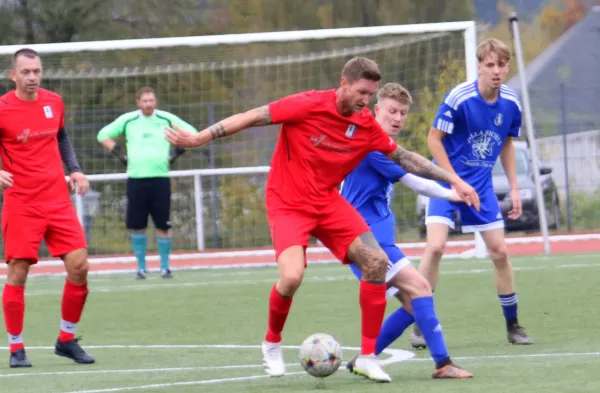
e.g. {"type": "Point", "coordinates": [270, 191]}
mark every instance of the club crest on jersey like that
{"type": "Point", "coordinates": [498, 120]}
{"type": "Point", "coordinates": [48, 111]}
{"type": "Point", "coordinates": [350, 131]}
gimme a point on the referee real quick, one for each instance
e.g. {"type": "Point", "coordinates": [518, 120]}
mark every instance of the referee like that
{"type": "Point", "coordinates": [147, 159]}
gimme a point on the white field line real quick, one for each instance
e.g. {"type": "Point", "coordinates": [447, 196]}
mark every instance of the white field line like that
{"type": "Point", "coordinates": [171, 285]}
{"type": "Point", "coordinates": [400, 356]}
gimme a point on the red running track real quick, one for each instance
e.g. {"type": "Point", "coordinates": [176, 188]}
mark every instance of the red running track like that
{"type": "Point", "coordinates": [208, 261]}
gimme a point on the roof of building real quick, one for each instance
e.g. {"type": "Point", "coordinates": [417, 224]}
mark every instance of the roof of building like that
{"type": "Point", "coordinates": [569, 69]}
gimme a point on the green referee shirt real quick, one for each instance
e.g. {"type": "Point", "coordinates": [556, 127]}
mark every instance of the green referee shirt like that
{"type": "Point", "coordinates": [147, 149]}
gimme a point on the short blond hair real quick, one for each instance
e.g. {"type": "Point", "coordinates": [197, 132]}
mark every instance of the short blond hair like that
{"type": "Point", "coordinates": [395, 92]}
{"type": "Point", "coordinates": [361, 68]}
{"type": "Point", "coordinates": [493, 45]}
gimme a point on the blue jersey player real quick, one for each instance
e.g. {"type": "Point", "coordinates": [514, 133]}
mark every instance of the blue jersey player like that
{"type": "Point", "coordinates": [474, 126]}
{"type": "Point", "coordinates": [368, 188]}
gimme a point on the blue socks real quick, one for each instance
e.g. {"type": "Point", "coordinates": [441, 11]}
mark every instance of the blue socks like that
{"type": "Point", "coordinates": [164, 250]}
{"type": "Point", "coordinates": [138, 244]}
{"type": "Point", "coordinates": [392, 328]}
{"type": "Point", "coordinates": [430, 326]}
{"type": "Point", "coordinates": [509, 308]}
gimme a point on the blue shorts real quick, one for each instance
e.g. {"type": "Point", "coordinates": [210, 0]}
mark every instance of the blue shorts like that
{"type": "Point", "coordinates": [487, 218]}
{"type": "Point", "coordinates": [384, 234]}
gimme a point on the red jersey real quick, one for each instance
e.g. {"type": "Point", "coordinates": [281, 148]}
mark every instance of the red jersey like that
{"type": "Point", "coordinates": [317, 148]}
{"type": "Point", "coordinates": [29, 149]}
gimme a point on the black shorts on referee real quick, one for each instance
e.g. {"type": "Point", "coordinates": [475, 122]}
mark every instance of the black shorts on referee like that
{"type": "Point", "coordinates": [149, 197]}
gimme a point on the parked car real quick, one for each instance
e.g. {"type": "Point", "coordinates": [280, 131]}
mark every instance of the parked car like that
{"type": "Point", "coordinates": [529, 220]}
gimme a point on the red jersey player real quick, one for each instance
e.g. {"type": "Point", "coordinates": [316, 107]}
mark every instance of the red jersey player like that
{"type": "Point", "coordinates": [37, 203]}
{"type": "Point", "coordinates": [324, 136]}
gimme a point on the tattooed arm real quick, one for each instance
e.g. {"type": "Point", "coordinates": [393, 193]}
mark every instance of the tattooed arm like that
{"type": "Point", "coordinates": [254, 117]}
{"type": "Point", "coordinates": [421, 166]}
{"type": "Point", "coordinates": [229, 126]}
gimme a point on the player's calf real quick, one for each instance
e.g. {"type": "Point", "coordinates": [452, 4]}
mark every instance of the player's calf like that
{"type": "Point", "coordinates": [498, 250]}
{"type": "Point", "coordinates": [13, 306]}
{"type": "Point", "coordinates": [366, 253]}
{"type": "Point", "coordinates": [75, 294]}
{"type": "Point", "coordinates": [291, 264]}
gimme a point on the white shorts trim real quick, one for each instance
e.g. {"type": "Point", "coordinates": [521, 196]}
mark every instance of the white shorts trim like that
{"type": "Point", "coordinates": [439, 220]}
{"type": "Point", "coordinates": [483, 227]}
{"type": "Point", "coordinates": [392, 271]}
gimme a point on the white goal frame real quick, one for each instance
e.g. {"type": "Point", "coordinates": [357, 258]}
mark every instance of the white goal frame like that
{"type": "Point", "coordinates": [468, 28]}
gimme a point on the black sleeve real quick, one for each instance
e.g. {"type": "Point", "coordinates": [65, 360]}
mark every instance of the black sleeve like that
{"type": "Point", "coordinates": [67, 153]}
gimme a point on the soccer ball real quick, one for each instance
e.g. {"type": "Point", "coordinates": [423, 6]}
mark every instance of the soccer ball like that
{"type": "Point", "coordinates": [320, 355]}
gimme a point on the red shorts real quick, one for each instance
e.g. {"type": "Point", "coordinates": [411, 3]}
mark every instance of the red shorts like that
{"type": "Point", "coordinates": [337, 225]}
{"type": "Point", "coordinates": [23, 229]}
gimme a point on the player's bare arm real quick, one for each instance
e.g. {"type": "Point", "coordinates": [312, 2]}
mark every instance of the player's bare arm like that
{"type": "Point", "coordinates": [366, 253]}
{"type": "Point", "coordinates": [434, 143]}
{"type": "Point", "coordinates": [255, 117]}
{"type": "Point", "coordinates": [421, 166]}
{"type": "Point", "coordinates": [509, 163]}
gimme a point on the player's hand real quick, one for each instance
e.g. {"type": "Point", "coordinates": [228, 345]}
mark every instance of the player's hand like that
{"type": "Point", "coordinates": [467, 193]}
{"type": "Point", "coordinates": [178, 137]}
{"type": "Point", "coordinates": [517, 207]}
{"type": "Point", "coordinates": [454, 197]}
{"type": "Point", "coordinates": [79, 183]}
{"type": "Point", "coordinates": [6, 180]}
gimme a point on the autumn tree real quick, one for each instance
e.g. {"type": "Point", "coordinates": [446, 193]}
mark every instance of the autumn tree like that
{"type": "Point", "coordinates": [574, 10]}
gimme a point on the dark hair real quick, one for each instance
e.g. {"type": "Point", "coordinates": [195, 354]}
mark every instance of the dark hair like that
{"type": "Point", "coordinates": [361, 68]}
{"type": "Point", "coordinates": [142, 91]}
{"type": "Point", "coordinates": [27, 52]}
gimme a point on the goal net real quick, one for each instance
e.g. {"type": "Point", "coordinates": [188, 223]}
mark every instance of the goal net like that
{"type": "Point", "coordinates": [205, 79]}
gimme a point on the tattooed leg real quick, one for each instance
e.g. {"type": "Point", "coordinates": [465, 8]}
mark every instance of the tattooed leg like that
{"type": "Point", "coordinates": [366, 253]}
{"type": "Point", "coordinates": [372, 261]}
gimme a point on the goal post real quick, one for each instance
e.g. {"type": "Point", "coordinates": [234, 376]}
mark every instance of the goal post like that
{"type": "Point", "coordinates": [205, 78]}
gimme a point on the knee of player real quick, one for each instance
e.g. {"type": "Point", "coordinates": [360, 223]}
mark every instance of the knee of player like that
{"type": "Point", "coordinates": [291, 280]}
{"type": "Point", "coordinates": [437, 248]}
{"type": "Point", "coordinates": [499, 253]}
{"type": "Point", "coordinates": [422, 287]}
{"type": "Point", "coordinates": [17, 272]}
{"type": "Point", "coordinates": [77, 265]}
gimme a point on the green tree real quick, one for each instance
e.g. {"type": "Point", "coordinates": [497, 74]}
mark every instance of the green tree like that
{"type": "Point", "coordinates": [414, 136]}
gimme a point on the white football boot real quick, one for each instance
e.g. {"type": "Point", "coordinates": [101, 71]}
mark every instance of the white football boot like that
{"type": "Point", "coordinates": [368, 367]}
{"type": "Point", "coordinates": [273, 359]}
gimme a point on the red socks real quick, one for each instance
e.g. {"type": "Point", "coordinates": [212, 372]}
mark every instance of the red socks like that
{"type": "Point", "coordinates": [73, 301]}
{"type": "Point", "coordinates": [13, 304]}
{"type": "Point", "coordinates": [279, 308]}
{"type": "Point", "coordinates": [372, 304]}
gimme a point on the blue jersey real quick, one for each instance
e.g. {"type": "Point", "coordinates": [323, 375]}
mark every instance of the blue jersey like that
{"type": "Point", "coordinates": [369, 186]}
{"type": "Point", "coordinates": [476, 130]}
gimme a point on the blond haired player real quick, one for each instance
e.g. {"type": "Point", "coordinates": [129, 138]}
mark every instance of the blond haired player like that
{"type": "Point", "coordinates": [475, 125]}
{"type": "Point", "coordinates": [369, 189]}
